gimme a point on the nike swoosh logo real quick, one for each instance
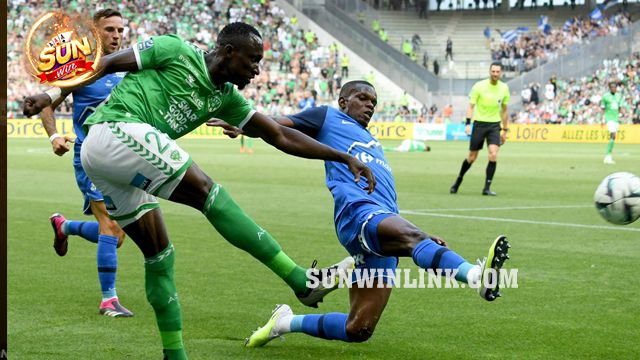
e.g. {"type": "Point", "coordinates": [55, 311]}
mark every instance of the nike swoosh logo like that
{"type": "Point", "coordinates": [347, 122]}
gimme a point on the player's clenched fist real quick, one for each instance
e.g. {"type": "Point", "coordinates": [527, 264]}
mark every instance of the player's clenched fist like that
{"type": "Point", "coordinates": [35, 103]}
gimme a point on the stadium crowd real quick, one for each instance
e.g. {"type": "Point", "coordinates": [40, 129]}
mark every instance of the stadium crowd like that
{"type": "Point", "coordinates": [534, 48]}
{"type": "Point", "coordinates": [297, 71]}
{"type": "Point", "coordinates": [577, 101]}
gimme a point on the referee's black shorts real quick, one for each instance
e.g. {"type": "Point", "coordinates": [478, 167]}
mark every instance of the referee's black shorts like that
{"type": "Point", "coordinates": [484, 130]}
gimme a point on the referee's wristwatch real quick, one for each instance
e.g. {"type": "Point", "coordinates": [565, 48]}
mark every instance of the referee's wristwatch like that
{"type": "Point", "coordinates": [505, 129]}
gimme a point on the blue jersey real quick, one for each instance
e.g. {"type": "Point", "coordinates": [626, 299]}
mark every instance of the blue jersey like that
{"type": "Point", "coordinates": [339, 131]}
{"type": "Point", "coordinates": [87, 99]}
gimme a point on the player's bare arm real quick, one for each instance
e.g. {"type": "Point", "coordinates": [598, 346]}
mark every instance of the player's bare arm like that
{"type": "Point", "coordinates": [58, 142]}
{"type": "Point", "coordinates": [298, 144]}
{"type": "Point", "coordinates": [123, 60]}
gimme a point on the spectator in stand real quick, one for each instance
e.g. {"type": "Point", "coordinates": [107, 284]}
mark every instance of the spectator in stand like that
{"type": "Point", "coordinates": [436, 67]}
{"type": "Point", "coordinates": [576, 101]}
{"type": "Point", "coordinates": [537, 47]}
{"type": "Point", "coordinates": [449, 50]}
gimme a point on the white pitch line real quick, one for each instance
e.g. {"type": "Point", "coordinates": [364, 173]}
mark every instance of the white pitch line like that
{"type": "Point", "coordinates": [551, 223]}
{"type": "Point", "coordinates": [514, 208]}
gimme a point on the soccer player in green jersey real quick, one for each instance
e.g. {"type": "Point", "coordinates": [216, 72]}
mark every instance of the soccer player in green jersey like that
{"type": "Point", "coordinates": [611, 103]}
{"type": "Point", "coordinates": [410, 145]}
{"type": "Point", "coordinates": [131, 155]}
{"type": "Point", "coordinates": [488, 102]}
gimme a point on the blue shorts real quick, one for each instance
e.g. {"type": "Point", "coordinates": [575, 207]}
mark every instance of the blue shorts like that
{"type": "Point", "coordinates": [89, 191]}
{"type": "Point", "coordinates": [364, 245]}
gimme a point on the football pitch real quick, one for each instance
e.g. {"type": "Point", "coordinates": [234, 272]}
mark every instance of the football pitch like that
{"type": "Point", "coordinates": [578, 292]}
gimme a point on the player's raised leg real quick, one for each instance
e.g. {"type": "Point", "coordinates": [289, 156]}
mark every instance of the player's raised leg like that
{"type": "Point", "coordinates": [150, 234]}
{"type": "Point", "coordinates": [62, 228]}
{"type": "Point", "coordinates": [200, 192]}
{"type": "Point", "coordinates": [399, 237]}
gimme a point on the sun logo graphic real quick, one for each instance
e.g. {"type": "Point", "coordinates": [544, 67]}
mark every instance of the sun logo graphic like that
{"type": "Point", "coordinates": [62, 51]}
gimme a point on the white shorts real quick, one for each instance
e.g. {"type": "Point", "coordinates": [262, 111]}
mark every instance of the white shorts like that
{"type": "Point", "coordinates": [612, 126]}
{"type": "Point", "coordinates": [132, 163]}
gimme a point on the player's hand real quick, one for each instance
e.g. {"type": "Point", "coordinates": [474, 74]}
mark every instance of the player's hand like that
{"type": "Point", "coordinates": [358, 168]}
{"type": "Point", "coordinates": [503, 137]}
{"type": "Point", "coordinates": [438, 240]}
{"type": "Point", "coordinates": [35, 103]}
{"type": "Point", "coordinates": [227, 129]}
{"type": "Point", "coordinates": [60, 146]}
{"type": "Point", "coordinates": [467, 129]}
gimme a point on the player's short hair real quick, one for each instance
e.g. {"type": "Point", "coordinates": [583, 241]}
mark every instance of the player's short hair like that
{"type": "Point", "coordinates": [496, 63]}
{"type": "Point", "coordinates": [346, 88]}
{"type": "Point", "coordinates": [106, 13]}
{"type": "Point", "coordinates": [235, 33]}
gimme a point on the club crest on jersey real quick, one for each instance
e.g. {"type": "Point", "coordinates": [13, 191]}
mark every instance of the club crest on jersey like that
{"type": "Point", "coordinates": [70, 51]}
{"type": "Point", "coordinates": [214, 103]}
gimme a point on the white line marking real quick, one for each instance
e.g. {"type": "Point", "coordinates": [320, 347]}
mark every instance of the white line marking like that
{"type": "Point", "coordinates": [551, 223]}
{"type": "Point", "coordinates": [513, 208]}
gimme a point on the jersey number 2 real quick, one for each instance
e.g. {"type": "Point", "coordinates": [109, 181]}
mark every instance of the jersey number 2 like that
{"type": "Point", "coordinates": [161, 148]}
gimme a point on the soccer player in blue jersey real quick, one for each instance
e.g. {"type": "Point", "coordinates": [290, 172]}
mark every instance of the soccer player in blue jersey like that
{"type": "Point", "coordinates": [368, 225]}
{"type": "Point", "coordinates": [110, 27]}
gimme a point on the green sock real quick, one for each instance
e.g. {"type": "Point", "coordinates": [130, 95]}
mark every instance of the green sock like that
{"type": "Point", "coordinates": [242, 232]}
{"type": "Point", "coordinates": [163, 297]}
{"type": "Point", "coordinates": [610, 146]}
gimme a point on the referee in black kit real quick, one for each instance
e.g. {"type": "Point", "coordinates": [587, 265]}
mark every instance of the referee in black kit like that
{"type": "Point", "coordinates": [488, 102]}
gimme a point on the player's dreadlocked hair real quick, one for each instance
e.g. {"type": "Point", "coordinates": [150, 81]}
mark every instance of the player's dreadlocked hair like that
{"type": "Point", "coordinates": [106, 13]}
{"type": "Point", "coordinates": [346, 88]}
{"type": "Point", "coordinates": [235, 32]}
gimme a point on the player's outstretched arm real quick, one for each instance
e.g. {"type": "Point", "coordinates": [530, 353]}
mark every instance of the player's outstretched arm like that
{"type": "Point", "coordinates": [123, 60]}
{"type": "Point", "coordinates": [298, 144]}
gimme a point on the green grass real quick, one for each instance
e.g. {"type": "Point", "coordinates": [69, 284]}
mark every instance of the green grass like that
{"type": "Point", "coordinates": [578, 294]}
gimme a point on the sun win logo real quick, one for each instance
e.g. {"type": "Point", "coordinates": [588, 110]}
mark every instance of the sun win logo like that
{"type": "Point", "coordinates": [64, 57]}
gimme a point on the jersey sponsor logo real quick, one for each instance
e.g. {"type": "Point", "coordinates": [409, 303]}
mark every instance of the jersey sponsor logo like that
{"type": "Point", "coordinates": [146, 44]}
{"type": "Point", "coordinates": [178, 114]}
{"type": "Point", "coordinates": [197, 101]}
{"type": "Point", "coordinates": [365, 157]}
{"type": "Point", "coordinates": [190, 80]}
{"type": "Point", "coordinates": [140, 181]}
{"type": "Point", "coordinates": [187, 63]}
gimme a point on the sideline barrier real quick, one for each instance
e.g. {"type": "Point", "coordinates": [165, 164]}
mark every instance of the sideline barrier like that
{"type": "Point", "coordinates": [32, 128]}
{"type": "Point", "coordinates": [627, 134]}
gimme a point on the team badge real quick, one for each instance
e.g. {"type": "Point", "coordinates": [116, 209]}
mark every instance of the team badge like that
{"type": "Point", "coordinates": [175, 155]}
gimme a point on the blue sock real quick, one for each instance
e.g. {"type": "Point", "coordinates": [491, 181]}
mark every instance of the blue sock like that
{"type": "Point", "coordinates": [107, 265]}
{"type": "Point", "coordinates": [88, 230]}
{"type": "Point", "coordinates": [463, 270]}
{"type": "Point", "coordinates": [296, 323]}
{"type": "Point", "coordinates": [429, 255]}
{"type": "Point", "coordinates": [331, 326]}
